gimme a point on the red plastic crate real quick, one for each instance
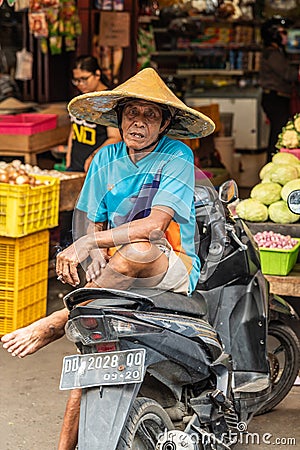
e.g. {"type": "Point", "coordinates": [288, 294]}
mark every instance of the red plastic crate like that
{"type": "Point", "coordinates": [27, 124]}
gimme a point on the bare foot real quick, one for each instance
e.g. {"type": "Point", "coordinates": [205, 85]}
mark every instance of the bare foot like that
{"type": "Point", "coordinates": [28, 340]}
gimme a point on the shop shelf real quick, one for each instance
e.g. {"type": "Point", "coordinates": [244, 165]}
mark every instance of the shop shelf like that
{"type": "Point", "coordinates": [27, 123]}
{"type": "Point", "coordinates": [23, 280]}
{"type": "Point", "coordinates": [25, 209]}
{"type": "Point", "coordinates": [275, 261]}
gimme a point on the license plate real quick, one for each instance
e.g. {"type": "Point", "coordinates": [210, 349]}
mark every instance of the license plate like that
{"type": "Point", "coordinates": [97, 369]}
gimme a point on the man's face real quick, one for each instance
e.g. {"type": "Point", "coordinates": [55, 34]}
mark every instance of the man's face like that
{"type": "Point", "coordinates": [141, 123]}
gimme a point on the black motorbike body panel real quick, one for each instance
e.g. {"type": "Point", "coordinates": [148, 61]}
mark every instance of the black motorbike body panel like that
{"type": "Point", "coordinates": [237, 301]}
{"type": "Point", "coordinates": [238, 314]}
{"type": "Point", "coordinates": [197, 344]}
{"type": "Point", "coordinates": [243, 263]}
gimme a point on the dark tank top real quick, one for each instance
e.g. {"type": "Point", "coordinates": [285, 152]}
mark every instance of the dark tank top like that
{"type": "Point", "coordinates": [87, 137]}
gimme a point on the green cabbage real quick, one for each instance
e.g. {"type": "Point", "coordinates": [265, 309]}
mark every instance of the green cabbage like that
{"type": "Point", "coordinates": [266, 179]}
{"type": "Point", "coordinates": [252, 210]}
{"type": "Point", "coordinates": [280, 213]}
{"type": "Point", "coordinates": [298, 170]}
{"type": "Point", "coordinates": [290, 134]}
{"type": "Point", "coordinates": [290, 139]}
{"type": "Point", "coordinates": [285, 158]}
{"type": "Point", "coordinates": [266, 193]}
{"type": "Point", "coordinates": [283, 173]}
{"type": "Point", "coordinates": [297, 122]}
{"type": "Point", "coordinates": [289, 187]}
{"type": "Point", "coordinates": [265, 170]}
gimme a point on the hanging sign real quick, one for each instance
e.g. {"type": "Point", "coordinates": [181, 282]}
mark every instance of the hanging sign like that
{"type": "Point", "coordinates": [21, 5]}
{"type": "Point", "coordinates": [38, 24]}
{"type": "Point", "coordinates": [114, 29]}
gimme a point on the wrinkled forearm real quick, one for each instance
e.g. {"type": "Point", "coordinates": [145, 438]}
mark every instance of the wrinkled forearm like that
{"type": "Point", "coordinates": [149, 228]}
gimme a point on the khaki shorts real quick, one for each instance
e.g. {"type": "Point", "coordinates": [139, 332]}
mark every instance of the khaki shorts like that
{"type": "Point", "coordinates": [177, 278]}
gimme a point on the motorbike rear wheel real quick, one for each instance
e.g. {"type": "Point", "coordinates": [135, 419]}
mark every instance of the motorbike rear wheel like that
{"type": "Point", "coordinates": [146, 421]}
{"type": "Point", "coordinates": [284, 352]}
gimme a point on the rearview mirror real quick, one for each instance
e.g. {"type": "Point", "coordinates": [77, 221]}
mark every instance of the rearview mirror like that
{"type": "Point", "coordinates": [228, 192]}
{"type": "Point", "coordinates": [293, 201]}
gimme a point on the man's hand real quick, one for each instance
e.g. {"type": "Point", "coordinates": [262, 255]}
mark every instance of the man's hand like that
{"type": "Point", "coordinates": [100, 259]}
{"type": "Point", "coordinates": [68, 260]}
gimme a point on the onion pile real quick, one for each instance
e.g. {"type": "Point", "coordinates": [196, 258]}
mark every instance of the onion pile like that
{"type": "Point", "coordinates": [11, 174]}
{"type": "Point", "coordinates": [35, 170]}
{"type": "Point", "coordinates": [269, 239]}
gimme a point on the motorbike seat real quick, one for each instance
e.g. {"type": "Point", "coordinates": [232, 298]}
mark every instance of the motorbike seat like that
{"type": "Point", "coordinates": [172, 301]}
{"type": "Point", "coordinates": [152, 299]}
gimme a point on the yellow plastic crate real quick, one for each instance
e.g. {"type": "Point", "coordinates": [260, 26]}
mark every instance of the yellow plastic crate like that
{"type": "Point", "coordinates": [23, 280]}
{"type": "Point", "coordinates": [25, 209]}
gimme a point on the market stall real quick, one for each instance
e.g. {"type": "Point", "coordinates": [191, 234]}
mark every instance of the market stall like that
{"type": "Point", "coordinates": [268, 216]}
{"type": "Point", "coordinates": [27, 134]}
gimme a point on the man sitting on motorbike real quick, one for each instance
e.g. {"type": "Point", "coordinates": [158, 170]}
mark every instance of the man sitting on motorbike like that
{"type": "Point", "coordinates": [138, 198]}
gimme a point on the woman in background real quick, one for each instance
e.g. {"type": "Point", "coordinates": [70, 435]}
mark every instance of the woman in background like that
{"type": "Point", "coordinates": [276, 78]}
{"type": "Point", "coordinates": [86, 138]}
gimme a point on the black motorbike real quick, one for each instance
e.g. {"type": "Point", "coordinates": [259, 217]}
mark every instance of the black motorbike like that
{"type": "Point", "coordinates": [162, 371]}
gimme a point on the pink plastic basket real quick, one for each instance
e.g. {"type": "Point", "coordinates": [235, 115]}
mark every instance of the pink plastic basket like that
{"type": "Point", "coordinates": [30, 123]}
{"type": "Point", "coordinates": [293, 151]}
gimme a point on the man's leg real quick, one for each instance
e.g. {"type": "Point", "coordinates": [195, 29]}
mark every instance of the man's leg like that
{"type": "Point", "coordinates": [140, 262]}
{"type": "Point", "coordinates": [28, 340]}
{"type": "Point", "coordinates": [69, 431]}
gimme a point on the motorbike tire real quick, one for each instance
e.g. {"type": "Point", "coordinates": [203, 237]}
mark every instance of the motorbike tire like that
{"type": "Point", "coordinates": [146, 421]}
{"type": "Point", "coordinates": [289, 350]}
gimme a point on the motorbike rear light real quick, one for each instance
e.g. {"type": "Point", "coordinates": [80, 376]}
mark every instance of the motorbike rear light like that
{"type": "Point", "coordinates": [128, 328]}
{"type": "Point", "coordinates": [106, 347]}
{"type": "Point", "coordinates": [96, 336]}
{"type": "Point", "coordinates": [89, 330]}
{"type": "Point", "coordinates": [90, 323]}
{"type": "Point", "coordinates": [72, 332]}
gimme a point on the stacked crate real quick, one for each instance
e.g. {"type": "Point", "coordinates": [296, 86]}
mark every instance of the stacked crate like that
{"type": "Point", "coordinates": [26, 214]}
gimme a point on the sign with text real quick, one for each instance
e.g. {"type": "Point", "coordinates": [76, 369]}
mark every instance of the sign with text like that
{"type": "Point", "coordinates": [114, 29]}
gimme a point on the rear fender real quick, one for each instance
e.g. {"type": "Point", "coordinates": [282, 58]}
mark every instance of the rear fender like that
{"type": "Point", "coordinates": [280, 309]}
{"type": "Point", "coordinates": [103, 413]}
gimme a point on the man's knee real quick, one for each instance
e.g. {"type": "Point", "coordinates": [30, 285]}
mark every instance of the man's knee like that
{"type": "Point", "coordinates": [135, 255]}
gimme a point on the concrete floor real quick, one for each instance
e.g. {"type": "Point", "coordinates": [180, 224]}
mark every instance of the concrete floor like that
{"type": "Point", "coordinates": [32, 407]}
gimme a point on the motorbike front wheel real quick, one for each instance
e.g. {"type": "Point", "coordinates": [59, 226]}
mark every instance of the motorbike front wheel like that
{"type": "Point", "coordinates": [283, 351]}
{"type": "Point", "coordinates": [147, 420]}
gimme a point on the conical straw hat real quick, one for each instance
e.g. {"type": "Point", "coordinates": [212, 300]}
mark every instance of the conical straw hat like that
{"type": "Point", "coordinates": [99, 106]}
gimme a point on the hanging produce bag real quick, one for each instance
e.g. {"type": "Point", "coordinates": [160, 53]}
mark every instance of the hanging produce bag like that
{"type": "Point", "coordinates": [24, 65]}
